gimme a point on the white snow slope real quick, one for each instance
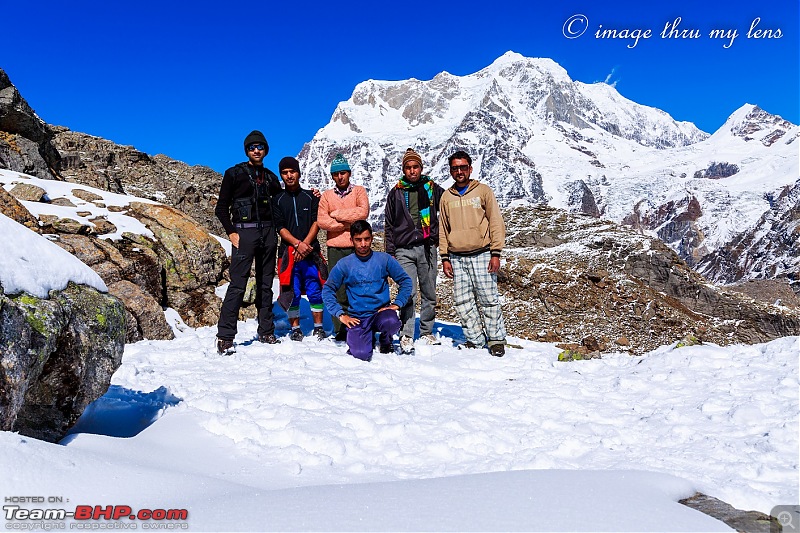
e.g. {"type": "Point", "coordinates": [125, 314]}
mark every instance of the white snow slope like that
{"type": "Point", "coordinates": [27, 259]}
{"type": "Point", "coordinates": [301, 436]}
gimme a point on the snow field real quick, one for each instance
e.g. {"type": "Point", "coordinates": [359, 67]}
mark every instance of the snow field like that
{"type": "Point", "coordinates": [724, 418]}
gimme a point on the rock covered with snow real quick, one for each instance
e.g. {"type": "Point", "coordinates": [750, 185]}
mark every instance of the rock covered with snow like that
{"type": "Point", "coordinates": [61, 337]}
{"type": "Point", "coordinates": [106, 165]}
{"type": "Point", "coordinates": [30, 263]}
{"type": "Point", "coordinates": [769, 250]}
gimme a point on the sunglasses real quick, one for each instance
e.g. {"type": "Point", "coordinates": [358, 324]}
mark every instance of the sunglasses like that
{"type": "Point", "coordinates": [462, 168]}
{"type": "Point", "coordinates": [253, 147]}
{"type": "Point", "coordinates": [340, 172]}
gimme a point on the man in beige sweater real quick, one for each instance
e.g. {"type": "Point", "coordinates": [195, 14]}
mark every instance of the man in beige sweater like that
{"type": "Point", "coordinates": [471, 237]}
{"type": "Point", "coordinates": [338, 208]}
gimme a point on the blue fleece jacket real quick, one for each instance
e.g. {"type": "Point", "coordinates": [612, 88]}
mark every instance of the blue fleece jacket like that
{"type": "Point", "coordinates": [366, 284]}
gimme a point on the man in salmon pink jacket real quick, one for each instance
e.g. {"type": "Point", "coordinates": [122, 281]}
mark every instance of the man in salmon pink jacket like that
{"type": "Point", "coordinates": [339, 207]}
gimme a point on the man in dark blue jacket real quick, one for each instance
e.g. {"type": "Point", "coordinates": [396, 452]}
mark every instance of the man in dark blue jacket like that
{"type": "Point", "coordinates": [364, 275]}
{"type": "Point", "coordinates": [245, 211]}
{"type": "Point", "coordinates": [301, 268]}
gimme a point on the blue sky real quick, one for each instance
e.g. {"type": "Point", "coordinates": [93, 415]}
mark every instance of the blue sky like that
{"type": "Point", "coordinates": [191, 80]}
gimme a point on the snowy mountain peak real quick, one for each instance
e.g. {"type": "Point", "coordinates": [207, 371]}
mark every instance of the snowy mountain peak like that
{"type": "Point", "coordinates": [750, 122]}
{"type": "Point", "coordinates": [535, 91]}
{"type": "Point", "coordinates": [511, 63]}
{"type": "Point", "coordinates": [502, 115]}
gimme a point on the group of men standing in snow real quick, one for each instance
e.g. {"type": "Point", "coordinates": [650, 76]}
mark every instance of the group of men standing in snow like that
{"type": "Point", "coordinates": [463, 222]}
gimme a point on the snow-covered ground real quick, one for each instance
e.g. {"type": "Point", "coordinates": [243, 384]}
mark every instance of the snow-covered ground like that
{"type": "Point", "coordinates": [301, 436]}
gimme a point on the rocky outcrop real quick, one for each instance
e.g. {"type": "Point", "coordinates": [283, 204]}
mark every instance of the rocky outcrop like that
{"type": "Point", "coordinates": [594, 286]}
{"type": "Point", "coordinates": [25, 139]}
{"type": "Point", "coordinates": [716, 171]}
{"type": "Point", "coordinates": [57, 355]}
{"type": "Point", "coordinates": [179, 267]}
{"type": "Point", "coordinates": [14, 210]}
{"type": "Point", "coordinates": [192, 261]}
{"type": "Point", "coordinates": [132, 274]}
{"type": "Point", "coordinates": [105, 165]}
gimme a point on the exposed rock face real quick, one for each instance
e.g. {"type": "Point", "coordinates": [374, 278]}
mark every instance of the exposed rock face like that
{"type": "Point", "coordinates": [122, 169]}
{"type": "Point", "coordinates": [144, 317]}
{"type": "Point", "coordinates": [717, 171]}
{"type": "Point", "coordinates": [192, 261]}
{"type": "Point", "coordinates": [763, 127]}
{"type": "Point", "coordinates": [770, 250]}
{"type": "Point", "coordinates": [675, 223]}
{"type": "Point", "coordinates": [593, 286]}
{"type": "Point", "coordinates": [58, 356]}
{"type": "Point", "coordinates": [132, 274]}
{"type": "Point", "coordinates": [14, 210]}
{"type": "Point", "coordinates": [25, 139]}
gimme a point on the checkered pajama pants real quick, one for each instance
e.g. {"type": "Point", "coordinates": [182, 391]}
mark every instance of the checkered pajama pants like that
{"type": "Point", "coordinates": [475, 294]}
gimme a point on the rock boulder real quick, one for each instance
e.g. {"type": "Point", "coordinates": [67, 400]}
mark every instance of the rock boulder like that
{"type": "Point", "coordinates": [58, 355]}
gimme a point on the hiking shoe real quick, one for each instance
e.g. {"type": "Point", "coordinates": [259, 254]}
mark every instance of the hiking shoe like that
{"type": "Point", "coordinates": [406, 344]}
{"type": "Point", "coordinates": [296, 335]}
{"type": "Point", "coordinates": [497, 350]}
{"type": "Point", "coordinates": [268, 339]}
{"type": "Point", "coordinates": [319, 333]}
{"type": "Point", "coordinates": [225, 347]}
{"type": "Point", "coordinates": [386, 348]}
{"type": "Point", "coordinates": [467, 346]}
{"type": "Point", "coordinates": [430, 339]}
{"type": "Point", "coordinates": [341, 335]}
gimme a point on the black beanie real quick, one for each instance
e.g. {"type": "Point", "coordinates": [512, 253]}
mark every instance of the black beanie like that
{"type": "Point", "coordinates": [289, 162]}
{"type": "Point", "coordinates": [256, 136]}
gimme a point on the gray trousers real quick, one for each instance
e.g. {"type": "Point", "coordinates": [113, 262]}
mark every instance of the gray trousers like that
{"type": "Point", "coordinates": [420, 265]}
{"type": "Point", "coordinates": [334, 256]}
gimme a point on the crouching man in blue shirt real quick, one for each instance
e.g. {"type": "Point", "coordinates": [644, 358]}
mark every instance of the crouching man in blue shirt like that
{"type": "Point", "coordinates": [364, 276]}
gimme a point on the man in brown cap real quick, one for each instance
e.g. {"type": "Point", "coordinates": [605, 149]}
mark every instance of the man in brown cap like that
{"type": "Point", "coordinates": [412, 237]}
{"type": "Point", "coordinates": [245, 212]}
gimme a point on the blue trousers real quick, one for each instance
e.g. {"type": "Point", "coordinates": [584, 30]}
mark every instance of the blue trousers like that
{"type": "Point", "coordinates": [361, 338]}
{"type": "Point", "coordinates": [305, 279]}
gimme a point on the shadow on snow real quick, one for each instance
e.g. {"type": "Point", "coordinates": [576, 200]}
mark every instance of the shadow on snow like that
{"type": "Point", "coordinates": [122, 412]}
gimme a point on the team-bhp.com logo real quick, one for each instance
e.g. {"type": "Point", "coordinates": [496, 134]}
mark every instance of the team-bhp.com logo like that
{"type": "Point", "coordinates": [89, 517]}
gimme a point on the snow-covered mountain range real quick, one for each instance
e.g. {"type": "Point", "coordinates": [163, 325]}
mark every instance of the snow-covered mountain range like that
{"type": "Point", "coordinates": [537, 136]}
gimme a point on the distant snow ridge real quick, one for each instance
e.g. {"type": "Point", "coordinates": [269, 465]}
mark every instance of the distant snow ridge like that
{"type": "Point", "coordinates": [536, 136]}
{"type": "Point", "coordinates": [501, 115]}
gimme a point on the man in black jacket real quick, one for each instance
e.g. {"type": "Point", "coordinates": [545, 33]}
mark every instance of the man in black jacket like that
{"type": "Point", "coordinates": [412, 236]}
{"type": "Point", "coordinates": [245, 212]}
